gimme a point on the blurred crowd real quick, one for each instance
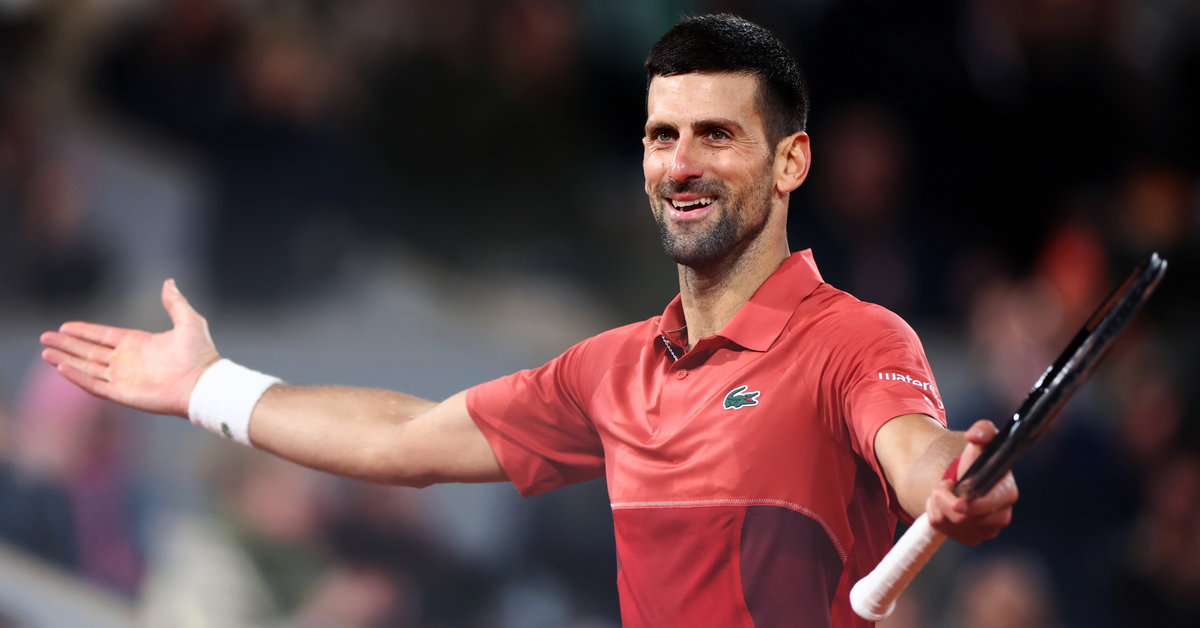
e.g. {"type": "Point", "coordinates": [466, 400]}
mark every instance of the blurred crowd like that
{"type": "Point", "coordinates": [989, 169]}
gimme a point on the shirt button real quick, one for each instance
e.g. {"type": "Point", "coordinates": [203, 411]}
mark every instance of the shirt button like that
{"type": "Point", "coordinates": [681, 373]}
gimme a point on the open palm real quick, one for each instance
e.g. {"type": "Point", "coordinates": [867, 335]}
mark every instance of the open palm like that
{"type": "Point", "coordinates": [150, 372]}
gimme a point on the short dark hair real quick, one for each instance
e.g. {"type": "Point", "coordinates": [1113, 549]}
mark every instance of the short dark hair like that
{"type": "Point", "coordinates": [727, 43]}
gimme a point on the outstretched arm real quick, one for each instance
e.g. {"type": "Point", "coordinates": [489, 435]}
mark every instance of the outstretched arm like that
{"type": "Point", "coordinates": [914, 451]}
{"type": "Point", "coordinates": [374, 435]}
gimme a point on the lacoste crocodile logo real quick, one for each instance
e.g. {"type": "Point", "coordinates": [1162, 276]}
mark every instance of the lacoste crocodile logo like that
{"type": "Point", "coordinates": [738, 398]}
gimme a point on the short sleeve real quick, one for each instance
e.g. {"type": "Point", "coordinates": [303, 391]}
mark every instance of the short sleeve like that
{"type": "Point", "coordinates": [537, 426]}
{"type": "Point", "coordinates": [885, 375]}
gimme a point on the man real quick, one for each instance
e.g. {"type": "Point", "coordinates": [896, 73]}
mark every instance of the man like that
{"type": "Point", "coordinates": [760, 438]}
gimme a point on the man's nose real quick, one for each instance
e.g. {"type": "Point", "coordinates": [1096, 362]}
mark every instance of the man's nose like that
{"type": "Point", "coordinates": [685, 162]}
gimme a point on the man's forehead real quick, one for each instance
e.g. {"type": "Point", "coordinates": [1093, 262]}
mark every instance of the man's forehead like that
{"type": "Point", "coordinates": [703, 95]}
{"type": "Point", "coordinates": [740, 81]}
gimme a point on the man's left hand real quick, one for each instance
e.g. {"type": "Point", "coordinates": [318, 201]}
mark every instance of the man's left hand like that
{"type": "Point", "coordinates": [970, 521]}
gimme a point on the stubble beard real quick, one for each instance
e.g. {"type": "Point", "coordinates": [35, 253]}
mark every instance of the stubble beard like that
{"type": "Point", "coordinates": [724, 240]}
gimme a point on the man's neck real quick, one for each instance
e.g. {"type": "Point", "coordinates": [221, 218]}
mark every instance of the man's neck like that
{"type": "Point", "coordinates": [712, 296]}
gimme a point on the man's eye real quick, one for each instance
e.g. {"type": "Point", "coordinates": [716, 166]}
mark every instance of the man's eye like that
{"type": "Point", "coordinates": [663, 136]}
{"type": "Point", "coordinates": [718, 134]}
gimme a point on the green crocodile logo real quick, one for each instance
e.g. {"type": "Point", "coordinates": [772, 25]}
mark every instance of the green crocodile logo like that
{"type": "Point", "coordinates": [738, 398]}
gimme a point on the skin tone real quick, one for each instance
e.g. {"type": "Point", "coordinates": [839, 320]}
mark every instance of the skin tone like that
{"type": "Point", "coordinates": [718, 189]}
{"type": "Point", "coordinates": [704, 132]}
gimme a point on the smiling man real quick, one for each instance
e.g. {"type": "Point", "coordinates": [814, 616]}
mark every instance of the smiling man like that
{"type": "Point", "coordinates": [710, 180]}
{"type": "Point", "coordinates": [760, 438]}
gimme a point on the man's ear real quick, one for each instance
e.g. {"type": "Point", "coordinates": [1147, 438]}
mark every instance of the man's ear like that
{"type": "Point", "coordinates": [792, 158]}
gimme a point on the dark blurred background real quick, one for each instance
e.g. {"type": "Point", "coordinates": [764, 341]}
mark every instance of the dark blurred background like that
{"type": "Point", "coordinates": [423, 195]}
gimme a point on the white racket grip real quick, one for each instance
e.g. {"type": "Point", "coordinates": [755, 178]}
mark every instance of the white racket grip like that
{"type": "Point", "coordinates": [874, 597]}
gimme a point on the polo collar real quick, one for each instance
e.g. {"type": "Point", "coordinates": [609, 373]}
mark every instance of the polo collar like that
{"type": "Point", "coordinates": [761, 320]}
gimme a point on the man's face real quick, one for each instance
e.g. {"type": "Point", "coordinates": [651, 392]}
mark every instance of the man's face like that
{"type": "Point", "coordinates": [708, 165]}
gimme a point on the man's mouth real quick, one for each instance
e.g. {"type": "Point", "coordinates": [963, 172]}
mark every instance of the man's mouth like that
{"type": "Point", "coordinates": [692, 204]}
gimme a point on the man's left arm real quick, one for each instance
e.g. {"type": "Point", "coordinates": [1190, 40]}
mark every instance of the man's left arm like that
{"type": "Point", "coordinates": [914, 452]}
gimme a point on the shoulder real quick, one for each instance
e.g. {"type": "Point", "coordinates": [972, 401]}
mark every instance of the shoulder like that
{"type": "Point", "coordinates": [592, 357]}
{"type": "Point", "coordinates": [626, 340]}
{"type": "Point", "coordinates": [575, 372]}
{"type": "Point", "coordinates": [838, 315]}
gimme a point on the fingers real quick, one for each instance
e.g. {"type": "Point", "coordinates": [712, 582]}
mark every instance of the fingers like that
{"type": "Point", "coordinates": [77, 347]}
{"type": "Point", "coordinates": [85, 368]}
{"type": "Point", "coordinates": [978, 435]}
{"type": "Point", "coordinates": [80, 353]}
{"type": "Point", "coordinates": [1000, 498]}
{"type": "Point", "coordinates": [968, 520]}
{"type": "Point", "coordinates": [975, 530]}
{"type": "Point", "coordinates": [89, 384]}
{"type": "Point", "coordinates": [971, 521]}
{"type": "Point", "coordinates": [1003, 495]}
{"type": "Point", "coordinates": [981, 432]}
{"type": "Point", "coordinates": [99, 334]}
{"type": "Point", "coordinates": [175, 303]}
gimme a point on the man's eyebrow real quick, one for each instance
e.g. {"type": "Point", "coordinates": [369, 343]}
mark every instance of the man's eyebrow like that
{"type": "Point", "coordinates": [698, 125]}
{"type": "Point", "coordinates": [717, 123]}
{"type": "Point", "coordinates": [653, 126]}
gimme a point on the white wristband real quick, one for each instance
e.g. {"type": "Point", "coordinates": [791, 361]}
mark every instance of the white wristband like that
{"type": "Point", "coordinates": [224, 398]}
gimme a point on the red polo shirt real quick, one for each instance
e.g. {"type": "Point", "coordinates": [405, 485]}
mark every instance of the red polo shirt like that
{"type": "Point", "coordinates": [742, 476]}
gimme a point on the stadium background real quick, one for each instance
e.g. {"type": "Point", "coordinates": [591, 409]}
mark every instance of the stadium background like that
{"type": "Point", "coordinates": [423, 195]}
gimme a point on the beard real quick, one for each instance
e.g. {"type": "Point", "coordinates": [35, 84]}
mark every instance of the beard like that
{"type": "Point", "coordinates": [743, 217]}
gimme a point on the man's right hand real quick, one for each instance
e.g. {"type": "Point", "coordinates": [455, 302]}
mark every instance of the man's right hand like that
{"type": "Point", "coordinates": [151, 372]}
{"type": "Point", "coordinates": [374, 435]}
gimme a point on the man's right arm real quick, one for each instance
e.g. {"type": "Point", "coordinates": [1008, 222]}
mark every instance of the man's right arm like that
{"type": "Point", "coordinates": [373, 435]}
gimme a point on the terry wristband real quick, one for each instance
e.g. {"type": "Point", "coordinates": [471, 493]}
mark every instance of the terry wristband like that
{"type": "Point", "coordinates": [224, 398]}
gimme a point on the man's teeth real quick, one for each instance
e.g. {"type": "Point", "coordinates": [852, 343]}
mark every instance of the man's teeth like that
{"type": "Point", "coordinates": [693, 204]}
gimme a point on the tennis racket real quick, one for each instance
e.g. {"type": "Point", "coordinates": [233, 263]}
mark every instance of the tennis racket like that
{"type": "Point", "coordinates": [874, 597]}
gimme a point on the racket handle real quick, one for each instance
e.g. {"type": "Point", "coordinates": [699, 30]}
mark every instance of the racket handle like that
{"type": "Point", "coordinates": [874, 597]}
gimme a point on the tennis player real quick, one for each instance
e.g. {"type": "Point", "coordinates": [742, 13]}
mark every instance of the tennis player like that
{"type": "Point", "coordinates": [760, 438]}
